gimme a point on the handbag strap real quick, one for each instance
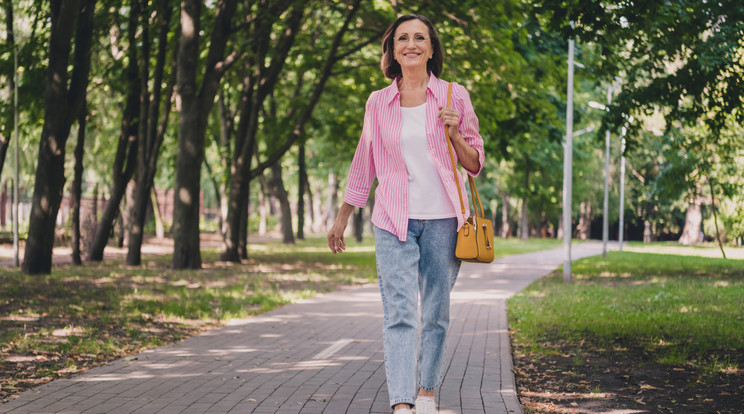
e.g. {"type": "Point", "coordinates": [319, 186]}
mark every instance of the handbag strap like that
{"type": "Point", "coordinates": [473, 190]}
{"type": "Point", "coordinates": [452, 153]}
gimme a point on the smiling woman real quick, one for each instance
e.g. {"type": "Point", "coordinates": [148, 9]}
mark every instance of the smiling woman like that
{"type": "Point", "coordinates": [404, 146]}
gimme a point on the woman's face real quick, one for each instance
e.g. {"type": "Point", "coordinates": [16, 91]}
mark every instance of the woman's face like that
{"type": "Point", "coordinates": [412, 44]}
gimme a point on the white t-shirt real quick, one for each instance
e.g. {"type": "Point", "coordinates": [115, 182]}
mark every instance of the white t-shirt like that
{"type": "Point", "coordinates": [427, 197]}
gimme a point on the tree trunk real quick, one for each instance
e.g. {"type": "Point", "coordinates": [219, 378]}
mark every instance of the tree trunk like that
{"type": "Point", "coordinates": [693, 223]}
{"type": "Point", "coordinates": [505, 227]}
{"type": "Point", "coordinates": [5, 141]}
{"type": "Point", "coordinates": [715, 215]}
{"type": "Point", "coordinates": [332, 199]}
{"type": "Point", "coordinates": [648, 235]}
{"type": "Point", "coordinates": [583, 229]}
{"type": "Point", "coordinates": [62, 104]}
{"type": "Point", "coordinates": [196, 104]}
{"type": "Point", "coordinates": [263, 206]}
{"type": "Point", "coordinates": [243, 244]}
{"type": "Point", "coordinates": [310, 204]}
{"type": "Point", "coordinates": [77, 189]}
{"type": "Point", "coordinates": [152, 133]}
{"type": "Point", "coordinates": [524, 231]}
{"type": "Point", "coordinates": [265, 87]}
{"type": "Point", "coordinates": [254, 94]}
{"type": "Point", "coordinates": [120, 229]}
{"type": "Point", "coordinates": [157, 216]}
{"type": "Point", "coordinates": [277, 189]}
{"type": "Point", "coordinates": [301, 180]}
{"type": "Point", "coordinates": [126, 151]}
{"type": "Point", "coordinates": [359, 224]}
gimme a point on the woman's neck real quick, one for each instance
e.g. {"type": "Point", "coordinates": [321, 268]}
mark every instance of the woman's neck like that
{"type": "Point", "coordinates": [413, 79]}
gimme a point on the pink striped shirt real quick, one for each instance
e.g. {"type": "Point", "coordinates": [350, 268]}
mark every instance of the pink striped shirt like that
{"type": "Point", "coordinates": [378, 154]}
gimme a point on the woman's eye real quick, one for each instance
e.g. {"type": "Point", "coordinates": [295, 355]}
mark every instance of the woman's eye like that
{"type": "Point", "coordinates": [420, 38]}
{"type": "Point", "coordinates": [403, 39]}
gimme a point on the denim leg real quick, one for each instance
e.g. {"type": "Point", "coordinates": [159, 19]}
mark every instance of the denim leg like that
{"type": "Point", "coordinates": [438, 268]}
{"type": "Point", "coordinates": [397, 269]}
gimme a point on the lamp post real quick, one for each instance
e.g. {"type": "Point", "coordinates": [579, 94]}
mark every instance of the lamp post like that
{"type": "Point", "coordinates": [15, 158]}
{"type": "Point", "coordinates": [605, 214]}
{"type": "Point", "coordinates": [568, 167]}
{"type": "Point", "coordinates": [621, 226]}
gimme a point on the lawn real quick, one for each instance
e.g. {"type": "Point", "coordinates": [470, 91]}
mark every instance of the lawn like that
{"type": "Point", "coordinates": [645, 331]}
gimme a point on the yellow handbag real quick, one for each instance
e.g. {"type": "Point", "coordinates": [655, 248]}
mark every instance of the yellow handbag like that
{"type": "Point", "coordinates": [475, 237]}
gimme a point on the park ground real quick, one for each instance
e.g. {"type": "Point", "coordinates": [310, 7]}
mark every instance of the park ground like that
{"type": "Point", "coordinates": [653, 329]}
{"type": "Point", "coordinates": [663, 335]}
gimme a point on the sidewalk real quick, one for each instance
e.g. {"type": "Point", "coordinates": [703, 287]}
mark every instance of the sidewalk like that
{"type": "Point", "coordinates": [322, 355]}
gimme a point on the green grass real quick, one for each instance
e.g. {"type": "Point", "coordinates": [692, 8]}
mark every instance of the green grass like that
{"type": "Point", "coordinates": [507, 247]}
{"type": "Point", "coordinates": [678, 309]}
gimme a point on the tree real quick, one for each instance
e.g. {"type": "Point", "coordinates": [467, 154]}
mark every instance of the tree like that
{"type": "Point", "coordinates": [293, 123]}
{"type": "Point", "coordinates": [196, 103]}
{"type": "Point", "coordinates": [5, 140]}
{"type": "Point", "coordinates": [63, 104]}
{"type": "Point", "coordinates": [126, 150]}
{"type": "Point", "coordinates": [152, 129]}
{"type": "Point", "coordinates": [77, 188]}
{"type": "Point", "coordinates": [684, 63]}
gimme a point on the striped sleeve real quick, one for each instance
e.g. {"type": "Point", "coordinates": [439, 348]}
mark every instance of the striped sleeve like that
{"type": "Point", "coordinates": [362, 171]}
{"type": "Point", "coordinates": [469, 124]}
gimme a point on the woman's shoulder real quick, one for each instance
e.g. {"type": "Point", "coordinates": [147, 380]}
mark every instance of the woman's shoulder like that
{"type": "Point", "coordinates": [383, 95]}
{"type": "Point", "coordinates": [440, 85]}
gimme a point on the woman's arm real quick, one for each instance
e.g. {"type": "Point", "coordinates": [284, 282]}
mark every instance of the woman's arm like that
{"type": "Point", "coordinates": [336, 241]}
{"type": "Point", "coordinates": [467, 155]}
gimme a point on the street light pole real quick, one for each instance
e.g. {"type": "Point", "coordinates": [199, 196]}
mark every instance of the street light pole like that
{"type": "Point", "coordinates": [16, 262]}
{"type": "Point", "coordinates": [568, 167]}
{"type": "Point", "coordinates": [605, 215]}
{"type": "Point", "coordinates": [622, 193]}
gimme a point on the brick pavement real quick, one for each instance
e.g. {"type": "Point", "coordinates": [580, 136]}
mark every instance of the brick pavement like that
{"type": "Point", "coordinates": [322, 355]}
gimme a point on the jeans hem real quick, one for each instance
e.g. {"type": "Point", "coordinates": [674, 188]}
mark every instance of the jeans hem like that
{"type": "Point", "coordinates": [401, 401]}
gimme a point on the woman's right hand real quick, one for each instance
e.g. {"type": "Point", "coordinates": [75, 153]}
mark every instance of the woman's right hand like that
{"type": "Point", "coordinates": [336, 241]}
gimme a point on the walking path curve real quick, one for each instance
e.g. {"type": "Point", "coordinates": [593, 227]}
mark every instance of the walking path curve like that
{"type": "Point", "coordinates": [322, 355]}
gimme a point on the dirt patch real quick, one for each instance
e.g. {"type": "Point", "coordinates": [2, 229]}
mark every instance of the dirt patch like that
{"type": "Point", "coordinates": [580, 378]}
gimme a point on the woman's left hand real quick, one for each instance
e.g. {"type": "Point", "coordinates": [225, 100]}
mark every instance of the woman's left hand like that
{"type": "Point", "coordinates": [451, 119]}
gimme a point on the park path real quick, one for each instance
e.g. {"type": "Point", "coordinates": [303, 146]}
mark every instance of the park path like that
{"type": "Point", "coordinates": [321, 355]}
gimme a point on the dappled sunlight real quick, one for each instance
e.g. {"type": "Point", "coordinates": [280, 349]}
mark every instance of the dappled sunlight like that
{"type": "Point", "coordinates": [169, 365]}
{"type": "Point", "coordinates": [229, 351]}
{"type": "Point", "coordinates": [707, 250]}
{"type": "Point", "coordinates": [21, 318]}
{"type": "Point", "coordinates": [487, 294]}
{"type": "Point", "coordinates": [69, 330]}
{"type": "Point", "coordinates": [559, 396]}
{"type": "Point", "coordinates": [314, 364]}
{"type": "Point", "coordinates": [184, 196]}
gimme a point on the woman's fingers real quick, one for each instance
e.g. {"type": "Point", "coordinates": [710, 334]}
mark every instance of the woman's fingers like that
{"type": "Point", "coordinates": [336, 243]}
{"type": "Point", "coordinates": [449, 116]}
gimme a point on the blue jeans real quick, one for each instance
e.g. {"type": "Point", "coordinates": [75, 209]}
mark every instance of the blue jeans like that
{"type": "Point", "coordinates": [425, 265]}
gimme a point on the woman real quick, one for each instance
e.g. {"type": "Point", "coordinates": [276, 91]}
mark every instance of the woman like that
{"type": "Point", "coordinates": [417, 208]}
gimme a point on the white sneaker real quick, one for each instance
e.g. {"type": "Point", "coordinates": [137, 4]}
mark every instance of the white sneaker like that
{"type": "Point", "coordinates": [402, 411]}
{"type": "Point", "coordinates": [425, 405]}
